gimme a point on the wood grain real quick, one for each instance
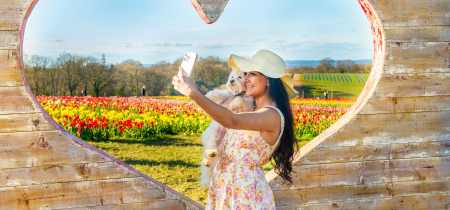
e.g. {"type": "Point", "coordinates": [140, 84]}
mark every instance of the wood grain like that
{"type": "Point", "coordinates": [11, 123]}
{"type": "Point", "coordinates": [359, 192]}
{"type": "Point", "coordinates": [9, 40]}
{"type": "Point", "coordinates": [418, 34]}
{"type": "Point", "coordinates": [63, 173]}
{"type": "Point", "coordinates": [16, 100]}
{"type": "Point", "coordinates": [376, 152]}
{"type": "Point", "coordinates": [399, 128]}
{"type": "Point", "coordinates": [80, 194]}
{"type": "Point", "coordinates": [366, 172]}
{"type": "Point", "coordinates": [423, 57]}
{"type": "Point", "coordinates": [12, 13]}
{"type": "Point", "coordinates": [10, 69]}
{"type": "Point", "coordinates": [411, 85]}
{"type": "Point", "coordinates": [413, 12]}
{"type": "Point", "coordinates": [166, 204]}
{"type": "Point", "coordinates": [42, 148]}
{"type": "Point", "coordinates": [408, 104]}
{"type": "Point", "coordinates": [422, 201]}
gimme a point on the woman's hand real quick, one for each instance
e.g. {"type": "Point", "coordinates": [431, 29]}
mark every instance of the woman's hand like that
{"type": "Point", "coordinates": [184, 84]}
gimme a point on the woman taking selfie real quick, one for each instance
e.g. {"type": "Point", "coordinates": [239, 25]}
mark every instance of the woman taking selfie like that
{"type": "Point", "coordinates": [253, 138]}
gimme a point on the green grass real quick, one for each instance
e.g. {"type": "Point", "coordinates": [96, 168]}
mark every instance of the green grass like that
{"type": "Point", "coordinates": [341, 89]}
{"type": "Point", "coordinates": [173, 160]}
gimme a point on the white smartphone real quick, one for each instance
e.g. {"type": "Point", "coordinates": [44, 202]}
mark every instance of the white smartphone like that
{"type": "Point", "coordinates": [188, 62]}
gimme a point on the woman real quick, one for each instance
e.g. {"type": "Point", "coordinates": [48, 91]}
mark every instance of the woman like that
{"type": "Point", "coordinates": [238, 182]}
{"type": "Point", "coordinates": [143, 90]}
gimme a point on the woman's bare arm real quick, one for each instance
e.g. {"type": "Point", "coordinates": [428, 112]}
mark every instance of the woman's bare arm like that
{"type": "Point", "coordinates": [264, 119]}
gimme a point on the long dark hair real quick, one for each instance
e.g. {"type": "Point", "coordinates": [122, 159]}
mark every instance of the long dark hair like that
{"type": "Point", "coordinates": [283, 155]}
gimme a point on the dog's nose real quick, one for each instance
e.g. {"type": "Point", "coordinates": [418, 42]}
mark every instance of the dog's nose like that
{"type": "Point", "coordinates": [231, 81]}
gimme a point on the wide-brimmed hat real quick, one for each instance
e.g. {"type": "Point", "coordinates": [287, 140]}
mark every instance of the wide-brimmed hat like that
{"type": "Point", "coordinates": [269, 64]}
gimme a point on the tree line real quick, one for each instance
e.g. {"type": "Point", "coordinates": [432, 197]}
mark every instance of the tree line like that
{"type": "Point", "coordinates": [69, 74]}
{"type": "Point", "coordinates": [328, 65]}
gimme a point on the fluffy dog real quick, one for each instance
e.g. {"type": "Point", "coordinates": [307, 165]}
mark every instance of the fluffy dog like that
{"type": "Point", "coordinates": [213, 136]}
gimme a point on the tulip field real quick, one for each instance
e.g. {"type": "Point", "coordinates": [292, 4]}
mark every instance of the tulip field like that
{"type": "Point", "coordinates": [161, 136]}
{"type": "Point", "coordinates": [102, 118]}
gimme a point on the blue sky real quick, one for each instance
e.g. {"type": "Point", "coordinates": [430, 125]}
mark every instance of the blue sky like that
{"type": "Point", "coordinates": [151, 31]}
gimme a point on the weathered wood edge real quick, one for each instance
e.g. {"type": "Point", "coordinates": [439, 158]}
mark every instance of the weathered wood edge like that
{"type": "Point", "coordinates": [369, 89]}
{"type": "Point", "coordinates": [182, 197]}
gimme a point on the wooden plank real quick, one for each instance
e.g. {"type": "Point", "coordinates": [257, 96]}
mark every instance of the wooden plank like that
{"type": "Point", "coordinates": [357, 192]}
{"type": "Point", "coordinates": [399, 128]}
{"type": "Point", "coordinates": [80, 194]}
{"type": "Point", "coordinates": [63, 173]}
{"type": "Point", "coordinates": [411, 85]}
{"type": "Point", "coordinates": [297, 80]}
{"type": "Point", "coordinates": [9, 40]}
{"type": "Point", "coordinates": [410, 58]}
{"type": "Point", "coordinates": [10, 69]}
{"type": "Point", "coordinates": [409, 104]}
{"type": "Point", "coordinates": [376, 152]}
{"type": "Point", "coordinates": [159, 204]}
{"type": "Point", "coordinates": [413, 12]}
{"type": "Point", "coordinates": [423, 201]}
{"type": "Point", "coordinates": [366, 173]}
{"type": "Point", "coordinates": [418, 34]}
{"type": "Point", "coordinates": [11, 123]}
{"type": "Point", "coordinates": [12, 14]}
{"type": "Point", "coordinates": [16, 100]}
{"type": "Point", "coordinates": [43, 148]}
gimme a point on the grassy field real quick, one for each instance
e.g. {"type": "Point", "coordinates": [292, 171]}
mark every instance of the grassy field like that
{"type": "Point", "coordinates": [342, 85]}
{"type": "Point", "coordinates": [173, 160]}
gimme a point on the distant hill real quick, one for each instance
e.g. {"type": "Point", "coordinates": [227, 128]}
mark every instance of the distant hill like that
{"type": "Point", "coordinates": [148, 65]}
{"type": "Point", "coordinates": [300, 63]}
{"type": "Point", "coordinates": [314, 63]}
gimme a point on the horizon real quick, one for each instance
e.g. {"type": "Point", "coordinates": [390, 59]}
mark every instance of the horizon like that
{"type": "Point", "coordinates": [149, 31]}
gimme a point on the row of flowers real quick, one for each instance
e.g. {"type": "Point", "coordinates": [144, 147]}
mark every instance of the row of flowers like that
{"type": "Point", "coordinates": [101, 118]}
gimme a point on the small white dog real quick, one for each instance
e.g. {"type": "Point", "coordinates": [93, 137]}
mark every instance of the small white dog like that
{"type": "Point", "coordinates": [213, 136]}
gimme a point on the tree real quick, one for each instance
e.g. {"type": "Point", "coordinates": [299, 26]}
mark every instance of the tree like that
{"type": "Point", "coordinates": [212, 71]}
{"type": "Point", "coordinates": [132, 71]}
{"type": "Point", "coordinates": [54, 74]}
{"type": "Point", "coordinates": [344, 66]}
{"type": "Point", "coordinates": [367, 68]}
{"type": "Point", "coordinates": [327, 64]}
{"type": "Point", "coordinates": [355, 68]}
{"type": "Point", "coordinates": [72, 66]}
{"type": "Point", "coordinates": [37, 70]}
{"type": "Point", "coordinates": [98, 75]}
{"type": "Point", "coordinates": [316, 91]}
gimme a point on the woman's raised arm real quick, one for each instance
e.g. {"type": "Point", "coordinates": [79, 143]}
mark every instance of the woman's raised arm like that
{"type": "Point", "coordinates": [264, 119]}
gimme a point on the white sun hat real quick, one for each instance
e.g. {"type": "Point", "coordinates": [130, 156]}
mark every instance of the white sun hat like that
{"type": "Point", "coordinates": [269, 64]}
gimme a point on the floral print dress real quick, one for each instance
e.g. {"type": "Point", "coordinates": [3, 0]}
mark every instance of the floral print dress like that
{"type": "Point", "coordinates": [237, 181]}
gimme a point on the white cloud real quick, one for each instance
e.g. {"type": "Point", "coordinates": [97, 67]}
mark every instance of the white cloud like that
{"type": "Point", "coordinates": [169, 44]}
{"type": "Point", "coordinates": [215, 46]}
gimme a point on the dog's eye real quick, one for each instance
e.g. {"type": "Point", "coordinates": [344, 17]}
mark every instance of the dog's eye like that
{"type": "Point", "coordinates": [240, 77]}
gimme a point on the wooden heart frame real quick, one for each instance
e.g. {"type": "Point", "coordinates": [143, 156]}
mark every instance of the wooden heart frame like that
{"type": "Point", "coordinates": [391, 149]}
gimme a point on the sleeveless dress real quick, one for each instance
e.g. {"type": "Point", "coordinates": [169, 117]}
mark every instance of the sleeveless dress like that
{"type": "Point", "coordinates": [237, 181]}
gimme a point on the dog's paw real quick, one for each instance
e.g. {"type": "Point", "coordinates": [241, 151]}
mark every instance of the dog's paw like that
{"type": "Point", "coordinates": [211, 153]}
{"type": "Point", "coordinates": [206, 162]}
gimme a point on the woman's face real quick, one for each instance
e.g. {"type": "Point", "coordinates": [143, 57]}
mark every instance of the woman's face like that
{"type": "Point", "coordinates": [256, 83]}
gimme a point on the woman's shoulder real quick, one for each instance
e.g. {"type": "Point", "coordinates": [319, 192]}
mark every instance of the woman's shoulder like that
{"type": "Point", "coordinates": [276, 108]}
